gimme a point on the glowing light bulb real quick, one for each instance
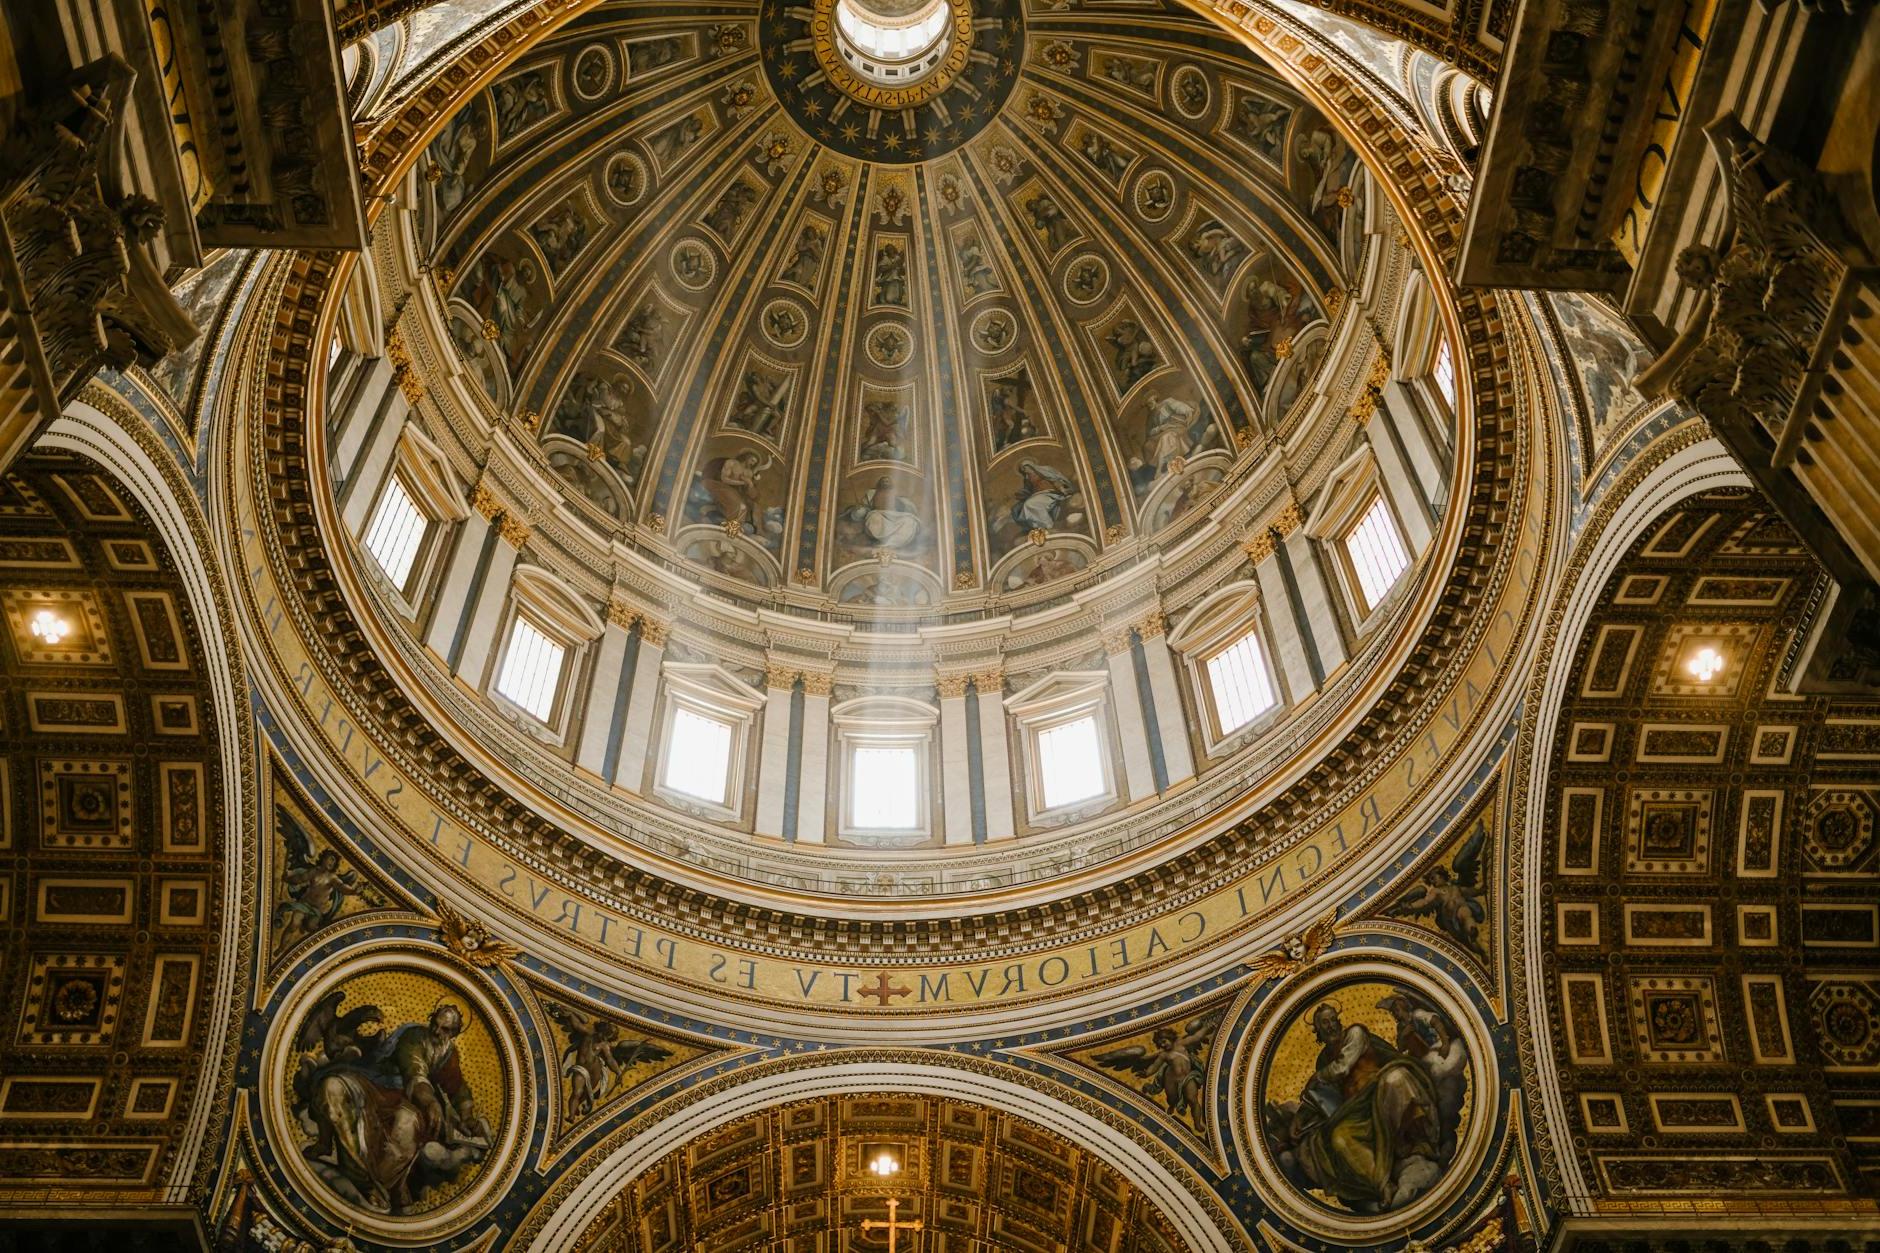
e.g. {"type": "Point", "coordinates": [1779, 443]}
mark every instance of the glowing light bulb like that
{"type": "Point", "coordinates": [885, 1165]}
{"type": "Point", "coordinates": [49, 627]}
{"type": "Point", "coordinates": [1705, 664]}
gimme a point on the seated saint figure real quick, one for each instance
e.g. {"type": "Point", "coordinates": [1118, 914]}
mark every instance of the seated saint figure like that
{"type": "Point", "coordinates": [1368, 1124]}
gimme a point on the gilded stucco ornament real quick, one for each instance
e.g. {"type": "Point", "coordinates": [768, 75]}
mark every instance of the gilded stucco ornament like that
{"type": "Point", "coordinates": [472, 940]}
{"type": "Point", "coordinates": [1297, 951]}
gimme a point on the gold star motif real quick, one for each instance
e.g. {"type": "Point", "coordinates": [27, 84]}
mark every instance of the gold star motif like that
{"type": "Point", "coordinates": [850, 131]}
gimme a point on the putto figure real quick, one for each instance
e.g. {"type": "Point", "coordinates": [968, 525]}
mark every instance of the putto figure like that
{"type": "Point", "coordinates": [597, 1058]}
{"type": "Point", "coordinates": [1175, 1066]}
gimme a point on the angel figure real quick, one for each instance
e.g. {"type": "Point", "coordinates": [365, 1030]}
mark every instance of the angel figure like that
{"type": "Point", "coordinates": [1175, 1065]}
{"type": "Point", "coordinates": [597, 1057]}
{"type": "Point", "coordinates": [1453, 896]}
{"type": "Point", "coordinates": [317, 889]}
{"type": "Point", "coordinates": [339, 1037]}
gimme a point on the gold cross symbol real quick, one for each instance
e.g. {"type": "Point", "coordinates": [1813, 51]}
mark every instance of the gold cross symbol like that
{"type": "Point", "coordinates": [892, 1227]}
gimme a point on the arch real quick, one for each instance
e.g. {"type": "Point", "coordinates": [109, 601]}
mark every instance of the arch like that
{"type": "Point", "coordinates": [1703, 465]}
{"type": "Point", "coordinates": [1199, 1226]}
{"type": "Point", "coordinates": [120, 444]}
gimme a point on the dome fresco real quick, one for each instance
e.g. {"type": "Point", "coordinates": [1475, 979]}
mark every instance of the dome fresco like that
{"type": "Point", "coordinates": [1037, 305]}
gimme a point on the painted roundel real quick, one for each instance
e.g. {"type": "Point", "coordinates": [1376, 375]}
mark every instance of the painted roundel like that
{"type": "Point", "coordinates": [1367, 1093]}
{"type": "Point", "coordinates": [868, 118]}
{"type": "Point", "coordinates": [395, 1095]}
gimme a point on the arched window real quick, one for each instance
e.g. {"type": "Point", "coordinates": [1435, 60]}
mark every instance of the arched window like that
{"type": "Point", "coordinates": [1064, 724]}
{"type": "Point", "coordinates": [885, 749]}
{"type": "Point", "coordinates": [708, 720]}
{"type": "Point", "coordinates": [548, 631]}
{"type": "Point", "coordinates": [1223, 641]}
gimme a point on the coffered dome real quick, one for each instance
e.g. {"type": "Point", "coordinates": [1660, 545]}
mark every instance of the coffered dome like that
{"type": "Point", "coordinates": [872, 344]}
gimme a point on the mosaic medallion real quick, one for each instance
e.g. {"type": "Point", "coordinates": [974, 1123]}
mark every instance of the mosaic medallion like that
{"type": "Point", "coordinates": [1365, 1098]}
{"type": "Point", "coordinates": [395, 1096]}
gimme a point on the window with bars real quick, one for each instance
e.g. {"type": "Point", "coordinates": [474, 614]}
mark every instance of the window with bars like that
{"type": "Point", "coordinates": [1070, 762]}
{"type": "Point", "coordinates": [698, 756]}
{"type": "Point", "coordinates": [1241, 685]}
{"type": "Point", "coordinates": [884, 787]}
{"type": "Point", "coordinates": [1377, 553]}
{"type": "Point", "coordinates": [531, 673]}
{"type": "Point", "coordinates": [1443, 373]}
{"type": "Point", "coordinates": [395, 535]}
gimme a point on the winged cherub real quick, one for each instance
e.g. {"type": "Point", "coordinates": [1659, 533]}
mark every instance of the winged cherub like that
{"type": "Point", "coordinates": [597, 1057]}
{"type": "Point", "coordinates": [315, 887]}
{"type": "Point", "coordinates": [1175, 1065]}
{"type": "Point", "coordinates": [1453, 895]}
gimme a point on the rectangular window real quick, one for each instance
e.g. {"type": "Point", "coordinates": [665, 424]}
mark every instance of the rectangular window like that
{"type": "Point", "coordinates": [1378, 556]}
{"type": "Point", "coordinates": [1070, 762]}
{"type": "Point", "coordinates": [1443, 373]}
{"type": "Point", "coordinates": [884, 788]}
{"type": "Point", "coordinates": [396, 532]}
{"type": "Point", "coordinates": [531, 673]}
{"type": "Point", "coordinates": [1242, 688]}
{"type": "Point", "coordinates": [698, 756]}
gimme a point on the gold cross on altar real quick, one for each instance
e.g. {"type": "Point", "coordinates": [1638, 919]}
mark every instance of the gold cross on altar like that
{"type": "Point", "coordinates": [891, 1226]}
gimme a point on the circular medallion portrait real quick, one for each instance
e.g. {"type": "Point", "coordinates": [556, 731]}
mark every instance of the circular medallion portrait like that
{"type": "Point", "coordinates": [1367, 1094]}
{"type": "Point", "coordinates": [396, 1093]}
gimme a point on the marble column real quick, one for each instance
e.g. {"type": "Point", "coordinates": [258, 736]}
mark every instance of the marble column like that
{"type": "Point", "coordinates": [773, 758]}
{"type": "Point", "coordinates": [1398, 481]}
{"type": "Point", "coordinates": [642, 698]}
{"type": "Point", "coordinates": [353, 405]}
{"type": "Point", "coordinates": [1171, 718]}
{"type": "Point", "coordinates": [1289, 644]}
{"type": "Point", "coordinates": [995, 755]}
{"type": "Point", "coordinates": [461, 574]}
{"type": "Point", "coordinates": [1138, 770]}
{"type": "Point", "coordinates": [1429, 457]}
{"type": "Point", "coordinates": [374, 461]}
{"type": "Point", "coordinates": [605, 690]}
{"type": "Point", "coordinates": [813, 787]}
{"type": "Point", "coordinates": [486, 615]}
{"type": "Point", "coordinates": [956, 783]}
{"type": "Point", "coordinates": [1310, 581]}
